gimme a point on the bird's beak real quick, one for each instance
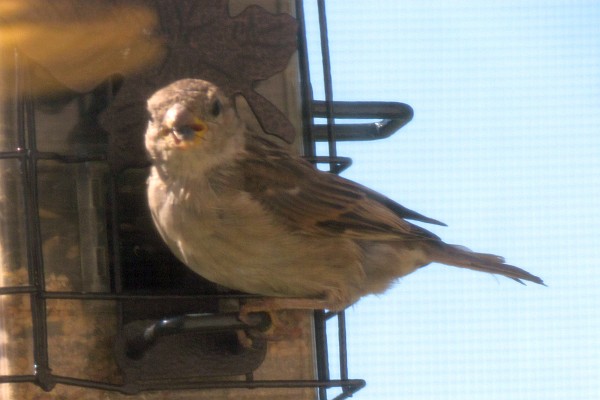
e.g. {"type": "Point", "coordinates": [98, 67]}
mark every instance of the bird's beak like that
{"type": "Point", "coordinates": [185, 129]}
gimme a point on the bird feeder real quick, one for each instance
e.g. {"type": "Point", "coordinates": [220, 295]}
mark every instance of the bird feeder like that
{"type": "Point", "coordinates": [92, 303]}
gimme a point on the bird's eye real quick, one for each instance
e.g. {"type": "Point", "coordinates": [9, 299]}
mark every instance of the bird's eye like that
{"type": "Point", "coordinates": [216, 108]}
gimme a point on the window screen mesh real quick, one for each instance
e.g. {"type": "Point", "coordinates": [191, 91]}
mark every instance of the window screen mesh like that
{"type": "Point", "coordinates": [504, 148]}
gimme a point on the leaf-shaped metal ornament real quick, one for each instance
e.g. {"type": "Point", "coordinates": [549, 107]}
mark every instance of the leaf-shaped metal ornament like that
{"type": "Point", "coordinates": [202, 40]}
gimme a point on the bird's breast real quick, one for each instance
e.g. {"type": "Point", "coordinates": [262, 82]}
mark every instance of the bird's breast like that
{"type": "Point", "coordinates": [230, 239]}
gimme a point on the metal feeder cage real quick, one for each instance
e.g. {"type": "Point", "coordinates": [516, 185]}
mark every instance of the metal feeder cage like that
{"type": "Point", "coordinates": [90, 298]}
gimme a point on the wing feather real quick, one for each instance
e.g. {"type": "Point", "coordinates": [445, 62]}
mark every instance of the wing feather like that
{"type": "Point", "coordinates": [318, 203]}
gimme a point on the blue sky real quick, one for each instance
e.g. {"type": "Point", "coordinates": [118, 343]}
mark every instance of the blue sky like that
{"type": "Point", "coordinates": [504, 148]}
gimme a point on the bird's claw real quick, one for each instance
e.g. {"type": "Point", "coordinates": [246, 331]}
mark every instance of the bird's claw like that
{"type": "Point", "coordinates": [283, 324]}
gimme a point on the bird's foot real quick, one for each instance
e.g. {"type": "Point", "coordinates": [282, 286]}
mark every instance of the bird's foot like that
{"type": "Point", "coordinates": [285, 316]}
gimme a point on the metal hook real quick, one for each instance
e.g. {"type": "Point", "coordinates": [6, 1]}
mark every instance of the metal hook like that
{"type": "Point", "coordinates": [393, 116]}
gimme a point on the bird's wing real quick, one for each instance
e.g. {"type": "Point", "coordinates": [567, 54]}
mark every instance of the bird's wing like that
{"type": "Point", "coordinates": [319, 203]}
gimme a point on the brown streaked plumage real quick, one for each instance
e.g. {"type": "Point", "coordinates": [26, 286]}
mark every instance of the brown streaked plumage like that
{"type": "Point", "coordinates": [247, 214]}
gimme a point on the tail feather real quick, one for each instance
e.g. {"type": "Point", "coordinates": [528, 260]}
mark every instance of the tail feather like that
{"type": "Point", "coordinates": [459, 256]}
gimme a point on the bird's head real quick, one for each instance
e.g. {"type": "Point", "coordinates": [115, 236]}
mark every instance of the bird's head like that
{"type": "Point", "coordinates": [192, 124]}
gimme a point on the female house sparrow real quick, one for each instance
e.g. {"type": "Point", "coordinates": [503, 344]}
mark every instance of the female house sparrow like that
{"type": "Point", "coordinates": [247, 214]}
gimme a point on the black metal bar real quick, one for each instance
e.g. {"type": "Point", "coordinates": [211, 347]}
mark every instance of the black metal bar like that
{"type": "Point", "coordinates": [322, 352]}
{"type": "Point", "coordinates": [327, 81]}
{"type": "Point", "coordinates": [308, 141]}
{"type": "Point", "coordinates": [364, 109]}
{"type": "Point", "coordinates": [393, 115]}
{"type": "Point", "coordinates": [43, 155]}
{"type": "Point", "coordinates": [17, 379]}
{"type": "Point", "coordinates": [349, 390]}
{"type": "Point", "coordinates": [135, 296]}
{"type": "Point", "coordinates": [358, 383]}
{"type": "Point", "coordinates": [12, 290]}
{"type": "Point", "coordinates": [20, 104]}
{"type": "Point", "coordinates": [27, 141]}
{"type": "Point", "coordinates": [131, 389]}
{"type": "Point", "coordinates": [343, 348]}
{"type": "Point", "coordinates": [70, 159]}
{"type": "Point", "coordinates": [21, 154]}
